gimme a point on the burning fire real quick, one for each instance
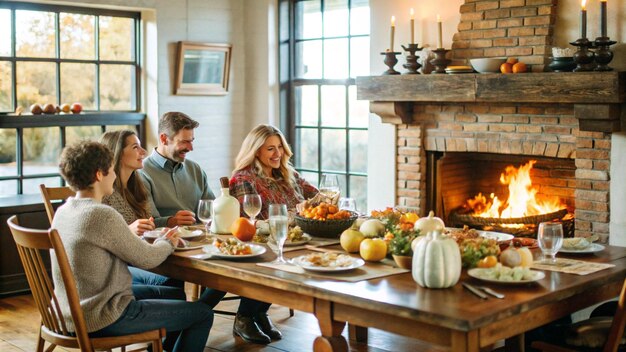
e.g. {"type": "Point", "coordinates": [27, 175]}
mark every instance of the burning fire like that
{"type": "Point", "coordinates": [522, 199]}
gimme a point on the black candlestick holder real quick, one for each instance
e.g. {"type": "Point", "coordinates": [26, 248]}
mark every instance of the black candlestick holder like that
{"type": "Point", "coordinates": [583, 57]}
{"type": "Point", "coordinates": [440, 62]}
{"type": "Point", "coordinates": [391, 61]}
{"type": "Point", "coordinates": [604, 55]}
{"type": "Point", "coordinates": [411, 60]}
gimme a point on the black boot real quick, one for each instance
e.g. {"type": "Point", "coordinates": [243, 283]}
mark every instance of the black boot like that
{"type": "Point", "coordinates": [266, 325]}
{"type": "Point", "coordinates": [247, 329]}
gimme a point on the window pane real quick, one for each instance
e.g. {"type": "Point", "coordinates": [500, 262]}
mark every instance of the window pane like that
{"type": "Point", "coordinates": [309, 18]}
{"type": "Point", "coordinates": [334, 150]}
{"type": "Point", "coordinates": [116, 85]}
{"type": "Point", "coordinates": [358, 191]}
{"type": "Point", "coordinates": [309, 59]}
{"type": "Point", "coordinates": [335, 18]}
{"type": "Point", "coordinates": [78, 84]}
{"type": "Point", "coordinates": [283, 17]}
{"type": "Point", "coordinates": [7, 152]}
{"type": "Point", "coordinates": [358, 151]}
{"type": "Point", "coordinates": [116, 38]}
{"type": "Point", "coordinates": [31, 186]}
{"type": "Point", "coordinates": [77, 36]}
{"type": "Point", "coordinates": [34, 33]}
{"type": "Point", "coordinates": [310, 177]}
{"type": "Point", "coordinates": [5, 32]}
{"type": "Point", "coordinates": [306, 156]}
{"type": "Point", "coordinates": [360, 17]}
{"type": "Point", "coordinates": [6, 90]}
{"type": "Point", "coordinates": [36, 83]}
{"type": "Point", "coordinates": [359, 109]}
{"type": "Point", "coordinates": [42, 148]}
{"type": "Point", "coordinates": [359, 56]}
{"type": "Point", "coordinates": [8, 188]}
{"type": "Point", "coordinates": [334, 106]}
{"type": "Point", "coordinates": [307, 108]}
{"type": "Point", "coordinates": [76, 134]}
{"type": "Point", "coordinates": [336, 58]}
{"type": "Point", "coordinates": [122, 127]}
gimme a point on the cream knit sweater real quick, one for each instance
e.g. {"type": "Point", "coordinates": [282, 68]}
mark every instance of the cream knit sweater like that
{"type": "Point", "coordinates": [99, 247]}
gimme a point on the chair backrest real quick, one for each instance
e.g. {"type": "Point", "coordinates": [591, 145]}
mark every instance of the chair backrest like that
{"type": "Point", "coordinates": [54, 193]}
{"type": "Point", "coordinates": [617, 326]}
{"type": "Point", "coordinates": [30, 243]}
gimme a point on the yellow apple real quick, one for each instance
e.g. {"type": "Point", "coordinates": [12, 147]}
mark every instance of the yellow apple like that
{"type": "Point", "coordinates": [350, 240]}
{"type": "Point", "coordinates": [373, 249]}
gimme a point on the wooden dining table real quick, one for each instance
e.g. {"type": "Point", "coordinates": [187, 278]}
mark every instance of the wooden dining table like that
{"type": "Point", "coordinates": [452, 317]}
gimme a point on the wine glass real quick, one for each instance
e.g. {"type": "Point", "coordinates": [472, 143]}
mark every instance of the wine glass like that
{"type": "Point", "coordinates": [279, 223]}
{"type": "Point", "coordinates": [550, 238]}
{"type": "Point", "coordinates": [205, 212]}
{"type": "Point", "coordinates": [252, 205]}
{"type": "Point", "coordinates": [347, 204]}
{"type": "Point", "coordinates": [329, 185]}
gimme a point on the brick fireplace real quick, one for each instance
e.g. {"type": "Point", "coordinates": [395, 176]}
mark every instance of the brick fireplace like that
{"type": "Point", "coordinates": [564, 119]}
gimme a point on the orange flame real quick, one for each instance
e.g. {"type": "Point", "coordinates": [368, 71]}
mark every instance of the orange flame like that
{"type": "Point", "coordinates": [522, 199]}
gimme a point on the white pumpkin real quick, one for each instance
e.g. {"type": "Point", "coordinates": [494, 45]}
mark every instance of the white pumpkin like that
{"type": "Point", "coordinates": [436, 261]}
{"type": "Point", "coordinates": [372, 228]}
{"type": "Point", "coordinates": [429, 223]}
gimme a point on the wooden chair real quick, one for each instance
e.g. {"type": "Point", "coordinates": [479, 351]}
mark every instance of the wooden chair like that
{"type": "Point", "coordinates": [614, 331]}
{"type": "Point", "coordinates": [53, 327]}
{"type": "Point", "coordinates": [54, 193]}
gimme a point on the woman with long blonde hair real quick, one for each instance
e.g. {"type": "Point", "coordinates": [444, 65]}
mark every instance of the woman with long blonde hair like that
{"type": "Point", "coordinates": [262, 167]}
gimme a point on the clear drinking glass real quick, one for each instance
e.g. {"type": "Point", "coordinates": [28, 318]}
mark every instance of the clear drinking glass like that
{"type": "Point", "coordinates": [252, 205]}
{"type": "Point", "coordinates": [205, 212]}
{"type": "Point", "coordinates": [279, 223]}
{"type": "Point", "coordinates": [347, 204]}
{"type": "Point", "coordinates": [550, 238]}
{"type": "Point", "coordinates": [329, 185]}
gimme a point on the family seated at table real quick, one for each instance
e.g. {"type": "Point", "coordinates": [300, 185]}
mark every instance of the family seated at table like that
{"type": "Point", "coordinates": [168, 187]}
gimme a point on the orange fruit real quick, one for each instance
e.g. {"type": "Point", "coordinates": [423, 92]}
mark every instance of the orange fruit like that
{"type": "Point", "coordinates": [243, 229]}
{"type": "Point", "coordinates": [488, 262]}
{"type": "Point", "coordinates": [511, 60]}
{"type": "Point", "coordinates": [506, 68]}
{"type": "Point", "coordinates": [520, 67]}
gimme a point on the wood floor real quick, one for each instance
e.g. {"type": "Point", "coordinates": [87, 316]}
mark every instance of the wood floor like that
{"type": "Point", "coordinates": [19, 322]}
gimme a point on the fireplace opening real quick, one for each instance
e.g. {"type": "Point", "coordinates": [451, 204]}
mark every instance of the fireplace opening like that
{"type": "Point", "coordinates": [505, 193]}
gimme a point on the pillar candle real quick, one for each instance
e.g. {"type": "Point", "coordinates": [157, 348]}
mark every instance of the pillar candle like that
{"type": "Point", "coordinates": [439, 37]}
{"type": "Point", "coordinates": [583, 20]}
{"type": "Point", "coordinates": [393, 30]}
{"type": "Point", "coordinates": [412, 26]}
{"type": "Point", "coordinates": [603, 18]}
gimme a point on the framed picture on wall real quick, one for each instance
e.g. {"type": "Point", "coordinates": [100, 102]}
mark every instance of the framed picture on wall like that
{"type": "Point", "coordinates": [202, 69]}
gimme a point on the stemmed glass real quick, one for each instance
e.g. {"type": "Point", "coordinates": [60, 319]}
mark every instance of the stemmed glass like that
{"type": "Point", "coordinates": [205, 212]}
{"type": "Point", "coordinates": [347, 204]}
{"type": "Point", "coordinates": [252, 205]}
{"type": "Point", "coordinates": [279, 223]}
{"type": "Point", "coordinates": [550, 238]}
{"type": "Point", "coordinates": [329, 185]}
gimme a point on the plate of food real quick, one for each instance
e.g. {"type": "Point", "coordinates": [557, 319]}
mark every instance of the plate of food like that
{"type": "Point", "coordinates": [296, 237]}
{"type": "Point", "coordinates": [580, 245]}
{"type": "Point", "coordinates": [504, 275]}
{"type": "Point", "coordinates": [327, 262]}
{"type": "Point", "coordinates": [185, 232]}
{"type": "Point", "coordinates": [232, 248]}
{"type": "Point", "coordinates": [460, 234]}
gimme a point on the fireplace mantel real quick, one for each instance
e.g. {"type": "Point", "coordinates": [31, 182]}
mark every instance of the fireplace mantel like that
{"type": "Point", "coordinates": [596, 96]}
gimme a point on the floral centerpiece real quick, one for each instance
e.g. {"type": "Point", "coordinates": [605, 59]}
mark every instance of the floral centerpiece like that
{"type": "Point", "coordinates": [399, 232]}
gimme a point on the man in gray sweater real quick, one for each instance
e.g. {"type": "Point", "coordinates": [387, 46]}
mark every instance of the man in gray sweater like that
{"type": "Point", "coordinates": [100, 246]}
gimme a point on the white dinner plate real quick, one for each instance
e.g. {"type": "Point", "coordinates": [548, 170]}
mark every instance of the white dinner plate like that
{"type": "Point", "coordinates": [498, 236]}
{"type": "Point", "coordinates": [593, 248]}
{"type": "Point", "coordinates": [256, 249]}
{"type": "Point", "coordinates": [475, 273]}
{"type": "Point", "coordinates": [304, 240]}
{"type": "Point", "coordinates": [304, 264]}
{"type": "Point", "coordinates": [185, 232]}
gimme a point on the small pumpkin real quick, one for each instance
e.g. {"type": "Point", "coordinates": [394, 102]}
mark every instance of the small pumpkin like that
{"type": "Point", "coordinates": [436, 261]}
{"type": "Point", "coordinates": [429, 223]}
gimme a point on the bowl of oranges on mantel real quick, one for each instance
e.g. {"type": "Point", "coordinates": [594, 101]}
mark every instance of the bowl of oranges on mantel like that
{"type": "Point", "coordinates": [495, 65]}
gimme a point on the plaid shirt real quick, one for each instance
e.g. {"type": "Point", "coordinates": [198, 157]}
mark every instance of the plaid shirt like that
{"type": "Point", "coordinates": [271, 190]}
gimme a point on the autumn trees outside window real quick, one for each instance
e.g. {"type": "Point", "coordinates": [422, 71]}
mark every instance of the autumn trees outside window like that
{"type": "Point", "coordinates": [62, 55]}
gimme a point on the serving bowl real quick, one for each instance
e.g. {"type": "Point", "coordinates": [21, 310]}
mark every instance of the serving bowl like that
{"type": "Point", "coordinates": [325, 228]}
{"type": "Point", "coordinates": [487, 64]}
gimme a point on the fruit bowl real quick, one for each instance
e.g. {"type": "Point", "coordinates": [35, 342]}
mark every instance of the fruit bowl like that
{"type": "Point", "coordinates": [487, 65]}
{"type": "Point", "coordinates": [325, 228]}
